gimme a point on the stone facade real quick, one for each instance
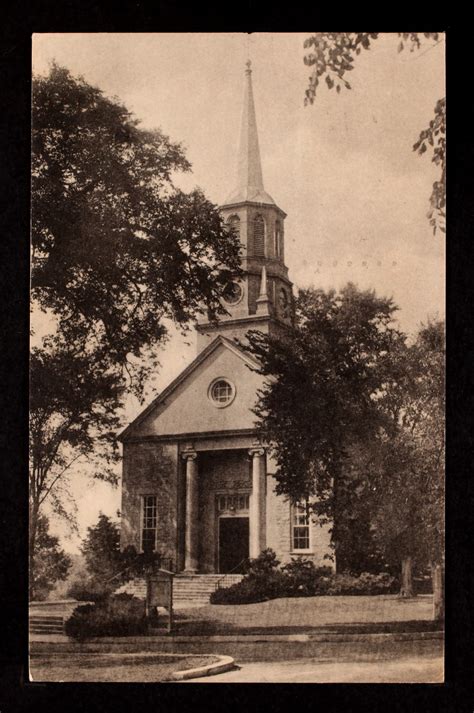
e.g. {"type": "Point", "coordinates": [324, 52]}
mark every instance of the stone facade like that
{"type": "Point", "coordinates": [151, 469]}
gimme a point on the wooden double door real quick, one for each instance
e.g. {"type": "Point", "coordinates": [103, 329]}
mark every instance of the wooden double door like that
{"type": "Point", "coordinates": [233, 543]}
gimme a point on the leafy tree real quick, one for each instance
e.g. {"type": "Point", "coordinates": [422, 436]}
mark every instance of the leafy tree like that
{"type": "Point", "coordinates": [408, 467]}
{"type": "Point", "coordinates": [48, 564]}
{"type": "Point", "coordinates": [116, 246]}
{"type": "Point", "coordinates": [73, 416]}
{"type": "Point", "coordinates": [354, 416]}
{"type": "Point", "coordinates": [107, 565]}
{"type": "Point", "coordinates": [101, 548]}
{"type": "Point", "coordinates": [319, 400]}
{"type": "Point", "coordinates": [117, 249]}
{"type": "Point", "coordinates": [332, 55]}
{"type": "Point", "coordinates": [358, 550]}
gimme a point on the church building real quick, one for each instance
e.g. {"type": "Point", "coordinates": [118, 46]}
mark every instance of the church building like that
{"type": "Point", "coordinates": [197, 484]}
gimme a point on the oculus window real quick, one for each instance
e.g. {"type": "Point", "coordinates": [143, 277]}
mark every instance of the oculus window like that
{"type": "Point", "coordinates": [221, 392]}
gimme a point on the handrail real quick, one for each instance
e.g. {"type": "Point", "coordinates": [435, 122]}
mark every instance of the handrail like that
{"type": "Point", "coordinates": [121, 572]}
{"type": "Point", "coordinates": [225, 575]}
{"type": "Point", "coordinates": [131, 565]}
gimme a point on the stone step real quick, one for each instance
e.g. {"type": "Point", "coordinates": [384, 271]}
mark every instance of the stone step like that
{"type": "Point", "coordinates": [42, 629]}
{"type": "Point", "coordinates": [46, 619]}
{"type": "Point", "coordinates": [182, 587]}
{"type": "Point", "coordinates": [192, 588]}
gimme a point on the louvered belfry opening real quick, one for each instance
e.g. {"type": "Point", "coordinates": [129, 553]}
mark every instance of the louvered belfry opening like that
{"type": "Point", "coordinates": [259, 236]}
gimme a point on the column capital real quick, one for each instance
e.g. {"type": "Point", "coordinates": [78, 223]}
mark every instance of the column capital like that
{"type": "Point", "coordinates": [189, 455]}
{"type": "Point", "coordinates": [256, 451]}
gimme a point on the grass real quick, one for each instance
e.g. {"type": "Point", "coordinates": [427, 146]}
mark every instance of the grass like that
{"type": "Point", "coordinates": [113, 667]}
{"type": "Point", "coordinates": [361, 614]}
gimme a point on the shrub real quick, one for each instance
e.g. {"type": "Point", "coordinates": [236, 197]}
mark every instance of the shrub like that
{"type": "Point", "coordinates": [304, 579]}
{"type": "Point", "coordinates": [263, 580]}
{"type": "Point", "coordinates": [363, 584]}
{"type": "Point", "coordinates": [262, 565]}
{"type": "Point", "coordinates": [119, 615]}
{"type": "Point", "coordinates": [90, 590]}
{"type": "Point", "coordinates": [252, 589]}
{"type": "Point", "coordinates": [300, 578]}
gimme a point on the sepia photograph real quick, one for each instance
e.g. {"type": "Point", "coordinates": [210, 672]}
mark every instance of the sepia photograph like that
{"type": "Point", "coordinates": [237, 358]}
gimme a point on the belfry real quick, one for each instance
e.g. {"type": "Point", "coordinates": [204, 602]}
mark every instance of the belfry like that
{"type": "Point", "coordinates": [197, 485]}
{"type": "Point", "coordinates": [263, 298]}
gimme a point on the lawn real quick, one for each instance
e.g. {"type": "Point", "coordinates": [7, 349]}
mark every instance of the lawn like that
{"type": "Point", "coordinates": [306, 614]}
{"type": "Point", "coordinates": [112, 667]}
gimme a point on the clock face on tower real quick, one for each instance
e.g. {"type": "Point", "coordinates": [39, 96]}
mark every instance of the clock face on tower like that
{"type": "Point", "coordinates": [233, 294]}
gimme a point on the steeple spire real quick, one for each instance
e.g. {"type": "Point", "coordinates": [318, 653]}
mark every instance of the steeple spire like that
{"type": "Point", "coordinates": [249, 173]}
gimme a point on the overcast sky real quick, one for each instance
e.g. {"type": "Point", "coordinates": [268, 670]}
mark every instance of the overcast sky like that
{"type": "Point", "coordinates": [343, 169]}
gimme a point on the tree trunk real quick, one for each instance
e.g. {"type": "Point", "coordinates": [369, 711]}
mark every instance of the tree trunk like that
{"type": "Point", "coordinates": [33, 526]}
{"type": "Point", "coordinates": [406, 588]}
{"type": "Point", "coordinates": [438, 592]}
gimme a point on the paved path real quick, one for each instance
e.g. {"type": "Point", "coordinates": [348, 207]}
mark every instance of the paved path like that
{"type": "Point", "coordinates": [313, 671]}
{"type": "Point", "coordinates": [351, 662]}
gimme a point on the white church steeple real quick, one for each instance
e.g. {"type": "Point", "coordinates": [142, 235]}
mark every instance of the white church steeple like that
{"type": "Point", "coordinates": [249, 168]}
{"type": "Point", "coordinates": [262, 299]}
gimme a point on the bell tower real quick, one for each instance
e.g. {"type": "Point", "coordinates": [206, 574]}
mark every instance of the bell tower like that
{"type": "Point", "coordinates": [263, 298]}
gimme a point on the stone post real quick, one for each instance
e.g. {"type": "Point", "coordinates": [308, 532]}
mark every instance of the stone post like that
{"type": "Point", "coordinates": [256, 500]}
{"type": "Point", "coordinates": [192, 513]}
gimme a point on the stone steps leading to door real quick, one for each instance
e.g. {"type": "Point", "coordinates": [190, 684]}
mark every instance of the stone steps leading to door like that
{"type": "Point", "coordinates": [187, 588]}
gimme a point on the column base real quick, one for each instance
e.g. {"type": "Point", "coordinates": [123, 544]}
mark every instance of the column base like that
{"type": "Point", "coordinates": [189, 571]}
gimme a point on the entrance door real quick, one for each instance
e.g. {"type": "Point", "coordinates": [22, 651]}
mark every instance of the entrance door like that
{"type": "Point", "coordinates": [233, 543]}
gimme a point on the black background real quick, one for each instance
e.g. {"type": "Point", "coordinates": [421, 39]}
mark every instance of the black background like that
{"type": "Point", "coordinates": [18, 21]}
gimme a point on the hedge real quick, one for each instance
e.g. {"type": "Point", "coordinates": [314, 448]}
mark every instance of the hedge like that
{"type": "Point", "coordinates": [300, 578]}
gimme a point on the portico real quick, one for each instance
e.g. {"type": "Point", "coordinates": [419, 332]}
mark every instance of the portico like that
{"type": "Point", "coordinates": [224, 507]}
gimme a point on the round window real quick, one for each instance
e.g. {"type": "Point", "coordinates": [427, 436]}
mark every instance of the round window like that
{"type": "Point", "coordinates": [221, 392]}
{"type": "Point", "coordinates": [233, 293]}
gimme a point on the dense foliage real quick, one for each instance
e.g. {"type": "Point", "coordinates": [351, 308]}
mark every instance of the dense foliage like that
{"type": "Point", "coordinates": [300, 578]}
{"type": "Point", "coordinates": [107, 565]}
{"type": "Point", "coordinates": [354, 416]}
{"type": "Point", "coordinates": [120, 615]}
{"type": "Point", "coordinates": [50, 564]}
{"type": "Point", "coordinates": [407, 466]}
{"type": "Point", "coordinates": [323, 374]}
{"type": "Point", "coordinates": [116, 246]}
{"type": "Point", "coordinates": [117, 250]}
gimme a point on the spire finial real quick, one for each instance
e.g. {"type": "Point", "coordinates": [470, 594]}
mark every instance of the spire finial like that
{"type": "Point", "coordinates": [249, 67]}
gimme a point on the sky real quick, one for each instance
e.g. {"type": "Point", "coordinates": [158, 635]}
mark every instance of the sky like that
{"type": "Point", "coordinates": [343, 168]}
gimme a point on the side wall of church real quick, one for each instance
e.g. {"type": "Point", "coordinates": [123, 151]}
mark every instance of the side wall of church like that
{"type": "Point", "coordinates": [279, 528]}
{"type": "Point", "coordinates": [150, 469]}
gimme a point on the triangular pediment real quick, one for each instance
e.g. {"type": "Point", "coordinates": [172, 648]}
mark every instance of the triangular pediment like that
{"type": "Point", "coordinates": [185, 406]}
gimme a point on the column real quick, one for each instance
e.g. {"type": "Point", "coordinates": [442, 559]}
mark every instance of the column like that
{"type": "Point", "coordinates": [256, 500]}
{"type": "Point", "coordinates": [192, 513]}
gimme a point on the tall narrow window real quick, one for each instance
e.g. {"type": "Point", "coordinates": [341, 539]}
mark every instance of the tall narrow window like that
{"type": "Point", "coordinates": [277, 239]}
{"type": "Point", "coordinates": [149, 521]}
{"type": "Point", "coordinates": [300, 526]}
{"type": "Point", "coordinates": [259, 235]}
